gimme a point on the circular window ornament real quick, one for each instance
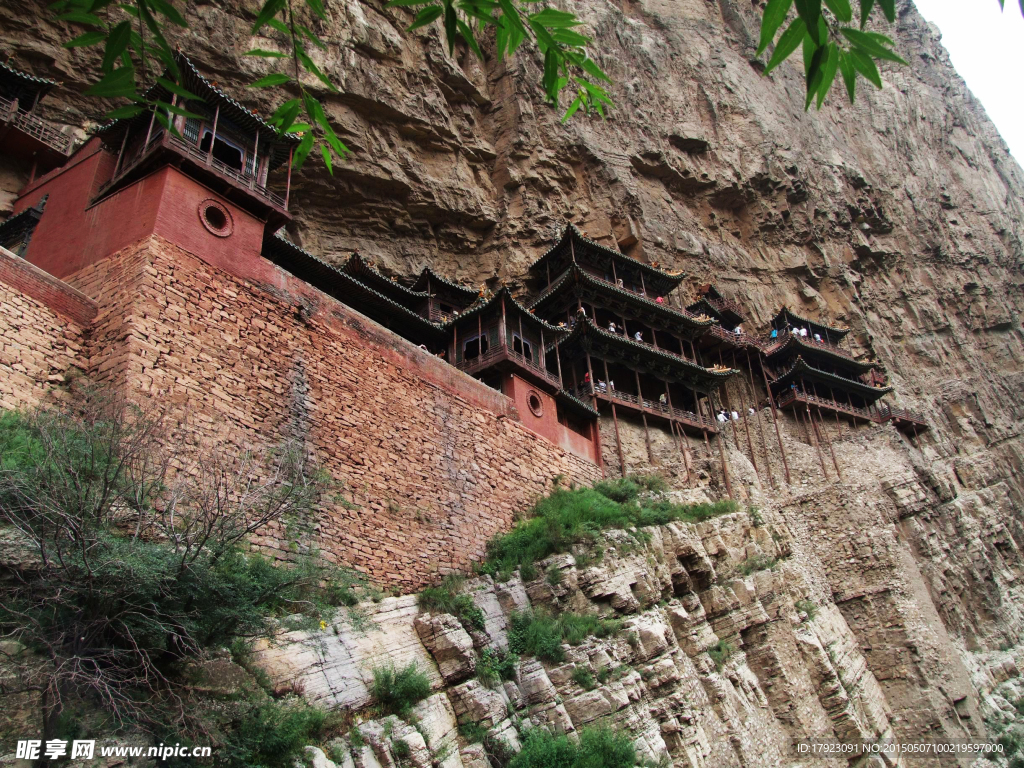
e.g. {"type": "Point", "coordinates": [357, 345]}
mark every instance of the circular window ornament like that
{"type": "Point", "coordinates": [535, 404]}
{"type": "Point", "coordinates": [216, 218]}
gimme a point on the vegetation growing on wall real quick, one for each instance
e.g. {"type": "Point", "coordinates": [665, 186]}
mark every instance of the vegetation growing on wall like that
{"type": "Point", "coordinates": [137, 565]}
{"type": "Point", "coordinates": [571, 517]}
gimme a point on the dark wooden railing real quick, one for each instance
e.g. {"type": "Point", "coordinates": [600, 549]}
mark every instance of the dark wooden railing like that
{"type": "Point", "coordinates": [651, 406]}
{"type": "Point", "coordinates": [35, 126]}
{"type": "Point", "coordinates": [791, 395]}
{"type": "Point", "coordinates": [726, 305]}
{"type": "Point", "coordinates": [888, 413]}
{"type": "Point", "coordinates": [770, 345]}
{"type": "Point", "coordinates": [192, 151]}
{"type": "Point", "coordinates": [501, 353]}
{"type": "Point", "coordinates": [437, 316]}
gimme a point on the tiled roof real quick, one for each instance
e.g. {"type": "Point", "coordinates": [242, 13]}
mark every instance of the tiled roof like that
{"type": "Point", "coordinates": [42, 84]}
{"type": "Point", "coordinates": [575, 272]}
{"type": "Point", "coordinates": [464, 290]}
{"type": "Point", "coordinates": [357, 267]}
{"type": "Point", "coordinates": [574, 403]}
{"type": "Point", "coordinates": [480, 306]}
{"type": "Point", "coordinates": [786, 312]}
{"type": "Point", "coordinates": [800, 344]}
{"type": "Point", "coordinates": [801, 366]}
{"type": "Point", "coordinates": [572, 232]}
{"type": "Point", "coordinates": [350, 291]}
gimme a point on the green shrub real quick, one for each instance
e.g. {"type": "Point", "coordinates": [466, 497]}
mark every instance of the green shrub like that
{"type": "Point", "coordinates": [495, 666]}
{"type": "Point", "coordinates": [807, 607]}
{"type": "Point", "coordinates": [654, 483]}
{"type": "Point", "coordinates": [554, 576]}
{"type": "Point", "coordinates": [401, 748]}
{"type": "Point", "coordinates": [621, 489]}
{"type": "Point", "coordinates": [755, 517]}
{"type": "Point", "coordinates": [527, 572]}
{"type": "Point", "coordinates": [271, 733]}
{"type": "Point", "coordinates": [583, 678]}
{"type": "Point", "coordinates": [541, 635]}
{"type": "Point", "coordinates": [758, 562]}
{"type": "Point", "coordinates": [397, 690]}
{"type": "Point", "coordinates": [568, 518]}
{"type": "Point", "coordinates": [719, 653]}
{"type": "Point", "coordinates": [447, 598]}
{"type": "Point", "coordinates": [597, 748]}
{"type": "Point", "coordinates": [473, 733]}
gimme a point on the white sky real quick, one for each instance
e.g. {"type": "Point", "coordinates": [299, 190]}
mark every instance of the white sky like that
{"type": "Point", "coordinates": [986, 46]}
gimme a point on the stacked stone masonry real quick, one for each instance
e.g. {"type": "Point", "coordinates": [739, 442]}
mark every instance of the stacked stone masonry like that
{"type": "Point", "coordinates": [433, 462]}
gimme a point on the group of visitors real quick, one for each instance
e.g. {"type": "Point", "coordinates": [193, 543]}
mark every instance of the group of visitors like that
{"type": "Point", "coordinates": [724, 415]}
{"type": "Point", "coordinates": [613, 328]}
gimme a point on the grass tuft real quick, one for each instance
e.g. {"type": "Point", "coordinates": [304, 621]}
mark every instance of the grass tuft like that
{"type": "Point", "coordinates": [397, 690]}
{"type": "Point", "coordinates": [448, 598]}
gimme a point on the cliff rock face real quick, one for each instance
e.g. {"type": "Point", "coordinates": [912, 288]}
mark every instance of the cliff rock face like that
{"type": "Point", "coordinates": [900, 216]}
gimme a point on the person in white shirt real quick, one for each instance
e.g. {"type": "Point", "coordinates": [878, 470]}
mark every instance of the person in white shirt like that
{"type": "Point", "coordinates": [638, 336]}
{"type": "Point", "coordinates": [611, 327]}
{"type": "Point", "coordinates": [735, 416]}
{"type": "Point", "coordinates": [803, 332]}
{"type": "Point", "coordinates": [722, 417]}
{"type": "Point", "coordinates": [817, 337]}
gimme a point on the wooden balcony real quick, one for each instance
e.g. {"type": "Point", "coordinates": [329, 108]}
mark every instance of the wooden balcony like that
{"type": "Point", "coordinates": [505, 356]}
{"type": "Point", "coordinates": [35, 127]}
{"type": "Point", "coordinates": [649, 407]}
{"type": "Point", "coordinates": [726, 305]}
{"type": "Point", "coordinates": [791, 397]}
{"type": "Point", "coordinates": [771, 345]}
{"type": "Point", "coordinates": [904, 419]}
{"type": "Point", "coordinates": [184, 149]}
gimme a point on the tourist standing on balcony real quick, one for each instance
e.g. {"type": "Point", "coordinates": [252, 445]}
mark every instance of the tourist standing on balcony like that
{"type": "Point", "coordinates": [662, 399]}
{"type": "Point", "coordinates": [638, 336]}
{"type": "Point", "coordinates": [611, 327]}
{"type": "Point", "coordinates": [735, 416]}
{"type": "Point", "coordinates": [803, 332]}
{"type": "Point", "coordinates": [817, 337]}
{"type": "Point", "coordinates": [659, 300]}
{"type": "Point", "coordinates": [775, 333]}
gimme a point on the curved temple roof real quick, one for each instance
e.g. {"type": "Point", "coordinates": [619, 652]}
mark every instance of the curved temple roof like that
{"type": "Point", "coordinates": [192, 81]}
{"type": "Point", "coordinates": [633, 354]}
{"type": "Point", "coordinates": [15, 80]}
{"type": "Point", "coordinates": [464, 291]}
{"type": "Point", "coordinates": [795, 320]}
{"type": "Point", "coordinates": [357, 267]}
{"type": "Point", "coordinates": [811, 348]}
{"type": "Point", "coordinates": [801, 368]}
{"type": "Point", "coordinates": [513, 305]}
{"type": "Point", "coordinates": [658, 282]}
{"type": "Point", "coordinates": [576, 274]}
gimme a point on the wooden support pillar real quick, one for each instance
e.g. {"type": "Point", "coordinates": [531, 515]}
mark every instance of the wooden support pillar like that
{"type": "Point", "coordinates": [615, 421]}
{"type": "Point", "coordinates": [775, 421]}
{"type": "Point", "coordinates": [824, 432]}
{"type": "Point", "coordinates": [120, 154]}
{"type": "Point", "coordinates": [681, 443]}
{"type": "Point", "coordinates": [643, 416]}
{"type": "Point", "coordinates": [721, 453]}
{"type": "Point", "coordinates": [558, 362]}
{"type": "Point", "coordinates": [503, 331]}
{"type": "Point", "coordinates": [288, 184]}
{"type": "Point", "coordinates": [812, 429]}
{"type": "Point", "coordinates": [213, 136]}
{"type": "Point", "coordinates": [593, 403]}
{"type": "Point", "coordinates": [760, 426]}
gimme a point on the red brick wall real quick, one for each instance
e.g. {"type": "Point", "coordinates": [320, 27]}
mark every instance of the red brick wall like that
{"type": "Point", "coordinates": [41, 322]}
{"type": "Point", "coordinates": [435, 462]}
{"type": "Point", "coordinates": [74, 233]}
{"type": "Point", "coordinates": [547, 424]}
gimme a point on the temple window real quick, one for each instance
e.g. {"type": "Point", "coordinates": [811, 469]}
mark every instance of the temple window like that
{"type": "Point", "coordinates": [474, 347]}
{"type": "Point", "coordinates": [524, 348]}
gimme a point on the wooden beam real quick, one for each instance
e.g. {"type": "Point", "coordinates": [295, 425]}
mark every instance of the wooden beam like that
{"type": "Point", "coordinates": [647, 434]}
{"type": "Point", "coordinates": [213, 136]}
{"type": "Point", "coordinates": [615, 421]}
{"type": "Point", "coordinates": [775, 421]}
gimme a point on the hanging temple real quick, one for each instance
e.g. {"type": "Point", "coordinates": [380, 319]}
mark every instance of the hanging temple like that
{"type": "Point", "coordinates": [603, 334]}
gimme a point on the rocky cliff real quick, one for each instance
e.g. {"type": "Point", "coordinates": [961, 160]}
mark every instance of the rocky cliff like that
{"type": "Point", "coordinates": [900, 216]}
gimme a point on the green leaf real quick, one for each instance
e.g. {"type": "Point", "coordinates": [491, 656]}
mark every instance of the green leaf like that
{"type": "Point", "coordinates": [116, 44]}
{"type": "Point", "coordinates": [889, 9]}
{"type": "Point", "coordinates": [870, 45]}
{"type": "Point", "coordinates": [88, 38]}
{"type": "Point", "coordinates": [402, 3]}
{"type": "Point", "coordinates": [828, 72]}
{"type": "Point", "coordinates": [841, 9]}
{"type": "Point", "coordinates": [280, 26]}
{"type": "Point", "coordinates": [173, 87]}
{"type": "Point", "coordinates": [591, 68]}
{"type": "Point", "coordinates": [166, 9]}
{"type": "Point", "coordinates": [308, 34]}
{"type": "Point", "coordinates": [572, 108]}
{"type": "Point", "coordinates": [317, 7]}
{"type": "Point", "coordinates": [121, 113]}
{"type": "Point", "coordinates": [327, 158]}
{"type": "Point", "coordinates": [863, 63]}
{"type": "Point", "coordinates": [269, 10]}
{"type": "Point", "coordinates": [511, 15]}
{"type": "Point", "coordinates": [775, 14]}
{"type": "Point", "coordinates": [849, 74]}
{"type": "Point", "coordinates": [426, 16]}
{"type": "Point", "coordinates": [554, 19]}
{"type": "Point", "coordinates": [284, 116]}
{"type": "Point", "coordinates": [814, 57]}
{"type": "Point", "coordinates": [470, 38]}
{"type": "Point", "coordinates": [571, 38]}
{"type": "Point", "coordinates": [810, 12]}
{"type": "Point", "coordinates": [265, 53]}
{"type": "Point", "coordinates": [309, 66]}
{"type": "Point", "coordinates": [789, 42]}
{"type": "Point", "coordinates": [269, 81]}
{"type": "Point", "coordinates": [119, 82]}
{"type": "Point", "coordinates": [82, 17]}
{"type": "Point", "coordinates": [302, 151]}
{"type": "Point", "coordinates": [451, 26]}
{"type": "Point", "coordinates": [176, 110]}
{"type": "Point", "coordinates": [866, 6]}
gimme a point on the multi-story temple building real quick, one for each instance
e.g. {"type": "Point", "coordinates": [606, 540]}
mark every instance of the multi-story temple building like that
{"type": "Point", "coordinates": [25, 136]}
{"type": "Point", "coordinates": [602, 335]}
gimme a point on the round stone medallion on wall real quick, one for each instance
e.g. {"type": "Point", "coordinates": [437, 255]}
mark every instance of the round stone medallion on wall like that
{"type": "Point", "coordinates": [216, 218]}
{"type": "Point", "coordinates": [535, 403]}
